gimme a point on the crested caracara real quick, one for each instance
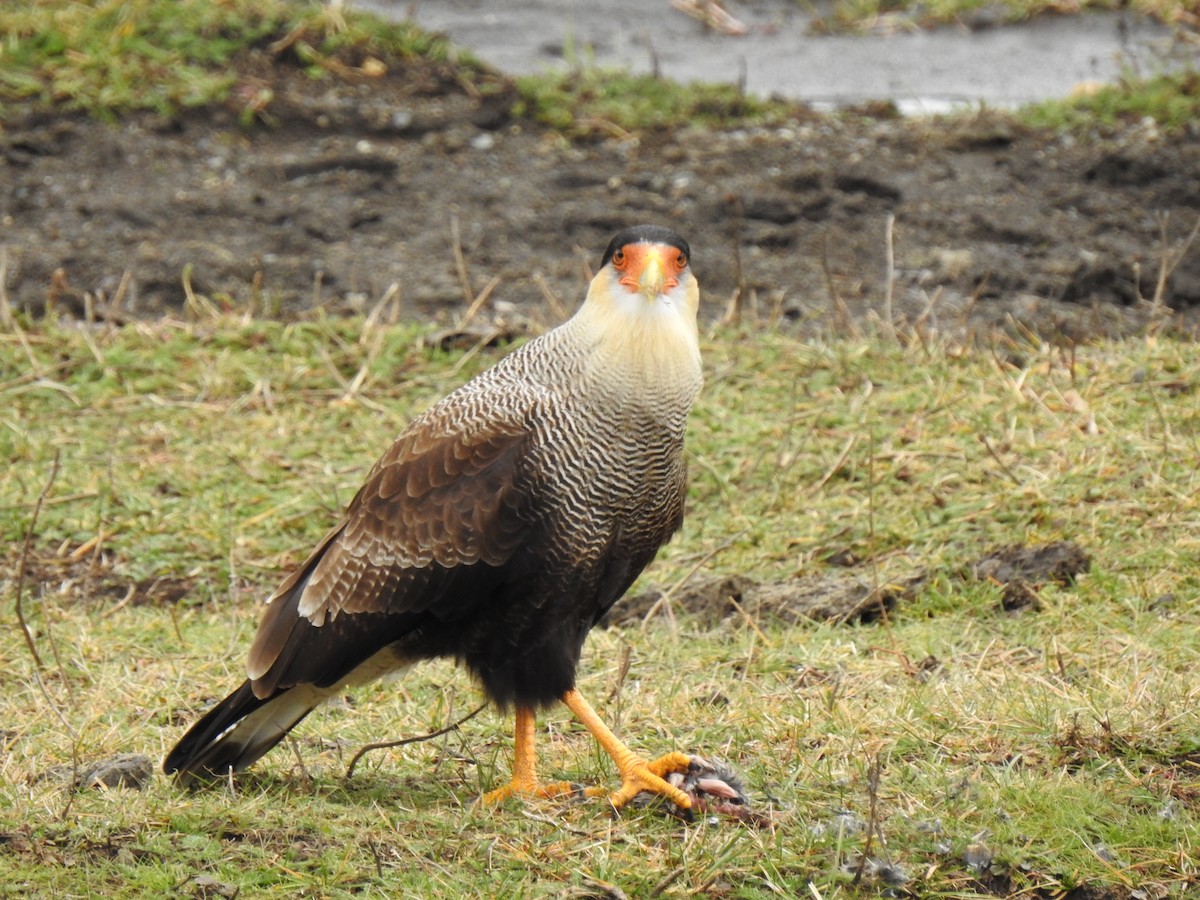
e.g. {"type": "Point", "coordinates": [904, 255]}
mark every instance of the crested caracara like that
{"type": "Point", "coordinates": [498, 529]}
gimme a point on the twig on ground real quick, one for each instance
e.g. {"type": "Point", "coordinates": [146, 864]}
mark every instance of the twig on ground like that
{"type": "Point", "coordinates": [39, 666]}
{"type": "Point", "coordinates": [384, 745]}
{"type": "Point", "coordinates": [996, 456]}
{"type": "Point", "coordinates": [873, 774]}
{"type": "Point", "coordinates": [1167, 264]}
{"type": "Point", "coordinates": [560, 314]}
{"type": "Point", "coordinates": [842, 322]}
{"type": "Point", "coordinates": [389, 303]}
{"type": "Point", "coordinates": [837, 464]}
{"type": "Point", "coordinates": [710, 14]}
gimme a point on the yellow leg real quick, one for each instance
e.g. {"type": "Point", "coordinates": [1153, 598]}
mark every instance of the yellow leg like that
{"type": "Point", "coordinates": [637, 774]}
{"type": "Point", "coordinates": [524, 781]}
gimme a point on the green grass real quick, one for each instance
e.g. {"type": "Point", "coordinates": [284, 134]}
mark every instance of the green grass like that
{"type": "Point", "coordinates": [117, 56]}
{"type": "Point", "coordinates": [114, 56]}
{"type": "Point", "coordinates": [207, 457]}
{"type": "Point", "coordinates": [616, 103]}
{"type": "Point", "coordinates": [1173, 101]}
{"type": "Point", "coordinates": [890, 15]}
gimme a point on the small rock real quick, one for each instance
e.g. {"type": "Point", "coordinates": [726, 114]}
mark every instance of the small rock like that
{"type": "Point", "coordinates": [206, 887]}
{"type": "Point", "coordinates": [978, 856]}
{"type": "Point", "coordinates": [129, 770]}
{"type": "Point", "coordinates": [591, 890]}
{"type": "Point", "coordinates": [1102, 850]}
{"type": "Point", "coordinates": [483, 141]}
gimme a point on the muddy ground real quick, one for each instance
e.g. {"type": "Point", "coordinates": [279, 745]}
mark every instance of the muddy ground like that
{"type": "Point", "coordinates": [351, 185]}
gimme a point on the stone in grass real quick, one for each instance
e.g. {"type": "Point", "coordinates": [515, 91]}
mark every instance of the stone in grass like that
{"type": "Point", "coordinates": [978, 856]}
{"type": "Point", "coordinates": [208, 888]}
{"type": "Point", "coordinates": [128, 770]}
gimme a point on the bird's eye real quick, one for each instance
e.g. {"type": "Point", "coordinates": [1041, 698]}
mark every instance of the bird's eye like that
{"type": "Point", "coordinates": [618, 258]}
{"type": "Point", "coordinates": [681, 260]}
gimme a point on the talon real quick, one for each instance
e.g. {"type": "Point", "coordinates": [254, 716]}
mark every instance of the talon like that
{"type": "Point", "coordinates": [640, 775]}
{"type": "Point", "coordinates": [637, 774]}
{"type": "Point", "coordinates": [534, 789]}
{"type": "Point", "coordinates": [524, 782]}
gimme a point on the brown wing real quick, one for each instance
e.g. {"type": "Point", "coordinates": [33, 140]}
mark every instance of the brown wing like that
{"type": "Point", "coordinates": [438, 500]}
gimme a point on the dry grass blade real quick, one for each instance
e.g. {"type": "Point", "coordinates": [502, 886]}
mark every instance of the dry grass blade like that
{"type": "Point", "coordinates": [477, 304]}
{"type": "Point", "coordinates": [23, 565]}
{"type": "Point", "coordinates": [6, 316]}
{"type": "Point", "coordinates": [889, 284]}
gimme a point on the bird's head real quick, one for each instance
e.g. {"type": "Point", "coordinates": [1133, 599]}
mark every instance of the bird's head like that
{"type": "Point", "coordinates": [647, 268]}
{"type": "Point", "coordinates": [644, 299]}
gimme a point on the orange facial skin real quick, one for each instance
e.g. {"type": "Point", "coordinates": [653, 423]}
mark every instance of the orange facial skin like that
{"type": "Point", "coordinates": [632, 259]}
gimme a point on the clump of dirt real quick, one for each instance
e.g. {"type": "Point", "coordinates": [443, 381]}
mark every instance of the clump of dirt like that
{"type": "Point", "coordinates": [708, 600]}
{"type": "Point", "coordinates": [1022, 570]}
{"type": "Point", "coordinates": [427, 184]}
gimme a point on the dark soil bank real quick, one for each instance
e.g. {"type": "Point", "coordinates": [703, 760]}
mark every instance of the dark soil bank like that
{"type": "Point", "coordinates": [347, 188]}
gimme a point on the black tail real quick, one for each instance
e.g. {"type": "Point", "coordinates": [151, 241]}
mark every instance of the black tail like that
{"type": "Point", "coordinates": [238, 731]}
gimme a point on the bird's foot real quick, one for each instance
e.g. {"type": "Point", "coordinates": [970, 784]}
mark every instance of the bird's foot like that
{"type": "Point", "coordinates": [638, 775]}
{"type": "Point", "coordinates": [530, 788]}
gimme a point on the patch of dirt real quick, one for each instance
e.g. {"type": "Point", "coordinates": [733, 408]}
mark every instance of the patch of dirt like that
{"type": "Point", "coordinates": [710, 599]}
{"type": "Point", "coordinates": [62, 846]}
{"type": "Point", "coordinates": [86, 573]}
{"type": "Point", "coordinates": [844, 597]}
{"type": "Point", "coordinates": [354, 184]}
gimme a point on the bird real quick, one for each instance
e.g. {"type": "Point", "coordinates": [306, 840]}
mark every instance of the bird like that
{"type": "Point", "coordinates": [498, 529]}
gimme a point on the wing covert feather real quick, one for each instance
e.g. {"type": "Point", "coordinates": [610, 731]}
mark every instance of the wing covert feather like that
{"type": "Point", "coordinates": [436, 500]}
{"type": "Point", "coordinates": [449, 500]}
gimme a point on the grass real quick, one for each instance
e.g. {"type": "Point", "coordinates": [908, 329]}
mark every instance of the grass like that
{"type": "Point", "coordinates": [1173, 101]}
{"type": "Point", "coordinates": [890, 15]}
{"type": "Point", "coordinates": [117, 56]}
{"type": "Point", "coordinates": [176, 469]}
{"type": "Point", "coordinates": [1029, 755]}
{"type": "Point", "coordinates": [114, 56]}
{"type": "Point", "coordinates": [598, 101]}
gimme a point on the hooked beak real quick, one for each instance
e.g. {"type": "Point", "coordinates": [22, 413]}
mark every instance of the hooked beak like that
{"type": "Point", "coordinates": [652, 277]}
{"type": "Point", "coordinates": [648, 271]}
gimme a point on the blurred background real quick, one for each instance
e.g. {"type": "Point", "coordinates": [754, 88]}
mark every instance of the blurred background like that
{"type": "Point", "coordinates": [924, 57]}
